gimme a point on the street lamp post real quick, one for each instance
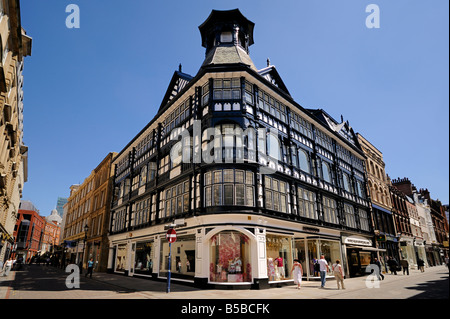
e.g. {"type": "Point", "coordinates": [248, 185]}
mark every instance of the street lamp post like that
{"type": "Point", "coordinates": [86, 228]}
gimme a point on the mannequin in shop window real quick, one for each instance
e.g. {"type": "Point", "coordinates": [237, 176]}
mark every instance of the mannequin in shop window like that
{"type": "Point", "coordinates": [280, 266]}
{"type": "Point", "coordinates": [270, 269]}
{"type": "Point", "coordinates": [238, 265]}
{"type": "Point", "coordinates": [188, 265]}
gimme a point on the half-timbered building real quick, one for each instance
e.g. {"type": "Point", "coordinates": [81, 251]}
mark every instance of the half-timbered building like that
{"type": "Point", "coordinates": [251, 178]}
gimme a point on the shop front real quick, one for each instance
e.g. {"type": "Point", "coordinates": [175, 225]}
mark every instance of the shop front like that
{"type": "Point", "coordinates": [359, 254]}
{"type": "Point", "coordinates": [182, 265]}
{"type": "Point", "coordinates": [248, 253]}
{"type": "Point", "coordinates": [229, 256]}
{"type": "Point", "coordinates": [408, 251]}
{"type": "Point", "coordinates": [309, 249]}
{"type": "Point", "coordinates": [279, 257]}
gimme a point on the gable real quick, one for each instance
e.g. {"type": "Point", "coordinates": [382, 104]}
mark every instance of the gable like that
{"type": "Point", "coordinates": [177, 84]}
{"type": "Point", "coordinates": [271, 74]}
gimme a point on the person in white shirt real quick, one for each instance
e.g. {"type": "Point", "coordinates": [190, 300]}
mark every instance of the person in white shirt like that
{"type": "Point", "coordinates": [323, 270]}
{"type": "Point", "coordinates": [338, 274]}
{"type": "Point", "coordinates": [8, 266]}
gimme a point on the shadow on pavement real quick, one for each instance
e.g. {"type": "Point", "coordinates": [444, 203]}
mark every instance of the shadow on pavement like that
{"type": "Point", "coordinates": [49, 278]}
{"type": "Point", "coordinates": [433, 289]}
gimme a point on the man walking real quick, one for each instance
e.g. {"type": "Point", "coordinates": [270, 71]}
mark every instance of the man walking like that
{"type": "Point", "coordinates": [405, 266]}
{"type": "Point", "coordinates": [392, 263]}
{"type": "Point", "coordinates": [323, 270]}
{"type": "Point", "coordinates": [379, 273]}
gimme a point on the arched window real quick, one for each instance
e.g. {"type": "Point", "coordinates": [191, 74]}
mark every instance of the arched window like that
{"type": "Point", "coordinates": [347, 185]}
{"type": "Point", "coordinates": [304, 161]}
{"type": "Point", "coordinates": [230, 257]}
{"type": "Point", "coordinates": [326, 172]}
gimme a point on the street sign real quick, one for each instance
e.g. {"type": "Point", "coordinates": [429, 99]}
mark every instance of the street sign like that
{"type": "Point", "coordinates": [171, 235]}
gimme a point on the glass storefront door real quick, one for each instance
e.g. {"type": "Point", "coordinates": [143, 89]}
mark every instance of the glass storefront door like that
{"type": "Point", "coordinates": [300, 254]}
{"type": "Point", "coordinates": [331, 251]}
{"type": "Point", "coordinates": [309, 250]}
{"type": "Point", "coordinates": [143, 262]}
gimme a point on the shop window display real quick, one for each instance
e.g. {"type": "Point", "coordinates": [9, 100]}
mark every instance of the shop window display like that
{"type": "Point", "coordinates": [121, 254]}
{"type": "Point", "coordinates": [317, 247]}
{"type": "Point", "coordinates": [143, 263]}
{"type": "Point", "coordinates": [279, 257]}
{"type": "Point", "coordinates": [331, 250]}
{"type": "Point", "coordinates": [182, 257]}
{"type": "Point", "coordinates": [230, 257]}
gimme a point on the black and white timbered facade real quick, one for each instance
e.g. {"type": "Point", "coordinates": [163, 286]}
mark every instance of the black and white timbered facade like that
{"type": "Point", "coordinates": [254, 179]}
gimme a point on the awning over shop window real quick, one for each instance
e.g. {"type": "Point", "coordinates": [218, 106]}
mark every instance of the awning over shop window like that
{"type": "Point", "coordinates": [366, 248]}
{"type": "Point", "coordinates": [382, 209]}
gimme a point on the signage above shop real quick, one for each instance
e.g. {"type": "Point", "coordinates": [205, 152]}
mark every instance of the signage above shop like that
{"type": "Point", "coordinates": [355, 240]}
{"type": "Point", "coordinates": [311, 229]}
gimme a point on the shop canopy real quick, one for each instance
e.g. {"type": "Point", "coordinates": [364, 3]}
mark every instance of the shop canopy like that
{"type": "Point", "coordinates": [366, 248]}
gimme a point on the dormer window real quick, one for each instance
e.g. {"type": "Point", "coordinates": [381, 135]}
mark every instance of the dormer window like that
{"type": "Point", "coordinates": [226, 37]}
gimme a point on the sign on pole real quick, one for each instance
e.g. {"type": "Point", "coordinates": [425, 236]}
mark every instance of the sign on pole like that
{"type": "Point", "coordinates": [171, 237]}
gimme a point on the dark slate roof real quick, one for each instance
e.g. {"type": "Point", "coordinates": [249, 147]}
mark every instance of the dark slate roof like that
{"type": "Point", "coordinates": [229, 54]}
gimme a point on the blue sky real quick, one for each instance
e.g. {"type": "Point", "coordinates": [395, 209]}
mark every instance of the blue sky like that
{"type": "Point", "coordinates": [89, 91]}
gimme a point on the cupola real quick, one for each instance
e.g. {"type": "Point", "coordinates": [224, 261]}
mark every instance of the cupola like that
{"type": "Point", "coordinates": [227, 36]}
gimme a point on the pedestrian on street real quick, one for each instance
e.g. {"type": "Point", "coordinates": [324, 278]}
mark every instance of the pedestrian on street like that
{"type": "Point", "coordinates": [377, 263]}
{"type": "Point", "coordinates": [393, 264]}
{"type": "Point", "coordinates": [316, 268]}
{"type": "Point", "coordinates": [338, 274]}
{"type": "Point", "coordinates": [405, 266]}
{"type": "Point", "coordinates": [297, 272]}
{"type": "Point", "coordinates": [323, 270]}
{"type": "Point", "coordinates": [1, 268]}
{"type": "Point", "coordinates": [90, 267]}
{"type": "Point", "coordinates": [421, 265]}
{"type": "Point", "coordinates": [8, 266]}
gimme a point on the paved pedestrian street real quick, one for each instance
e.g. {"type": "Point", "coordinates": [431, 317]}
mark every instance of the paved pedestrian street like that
{"type": "Point", "coordinates": [46, 282]}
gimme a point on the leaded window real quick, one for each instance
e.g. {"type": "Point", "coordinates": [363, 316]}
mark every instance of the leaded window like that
{"type": "Point", "coordinates": [227, 89]}
{"type": "Point", "coordinates": [307, 203]}
{"type": "Point", "coordinates": [229, 187]}
{"type": "Point", "coordinates": [177, 199]}
{"type": "Point", "coordinates": [363, 220]}
{"type": "Point", "coordinates": [349, 212]}
{"type": "Point", "coordinates": [276, 192]}
{"type": "Point", "coordinates": [330, 210]}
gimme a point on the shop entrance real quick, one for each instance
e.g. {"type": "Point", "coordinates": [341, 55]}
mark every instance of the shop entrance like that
{"type": "Point", "coordinates": [358, 260]}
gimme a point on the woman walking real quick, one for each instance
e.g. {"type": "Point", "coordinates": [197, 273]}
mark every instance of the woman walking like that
{"type": "Point", "coordinates": [297, 272]}
{"type": "Point", "coordinates": [338, 274]}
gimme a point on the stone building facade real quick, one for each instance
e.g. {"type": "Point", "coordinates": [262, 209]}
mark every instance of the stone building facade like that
{"type": "Point", "coordinates": [15, 44]}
